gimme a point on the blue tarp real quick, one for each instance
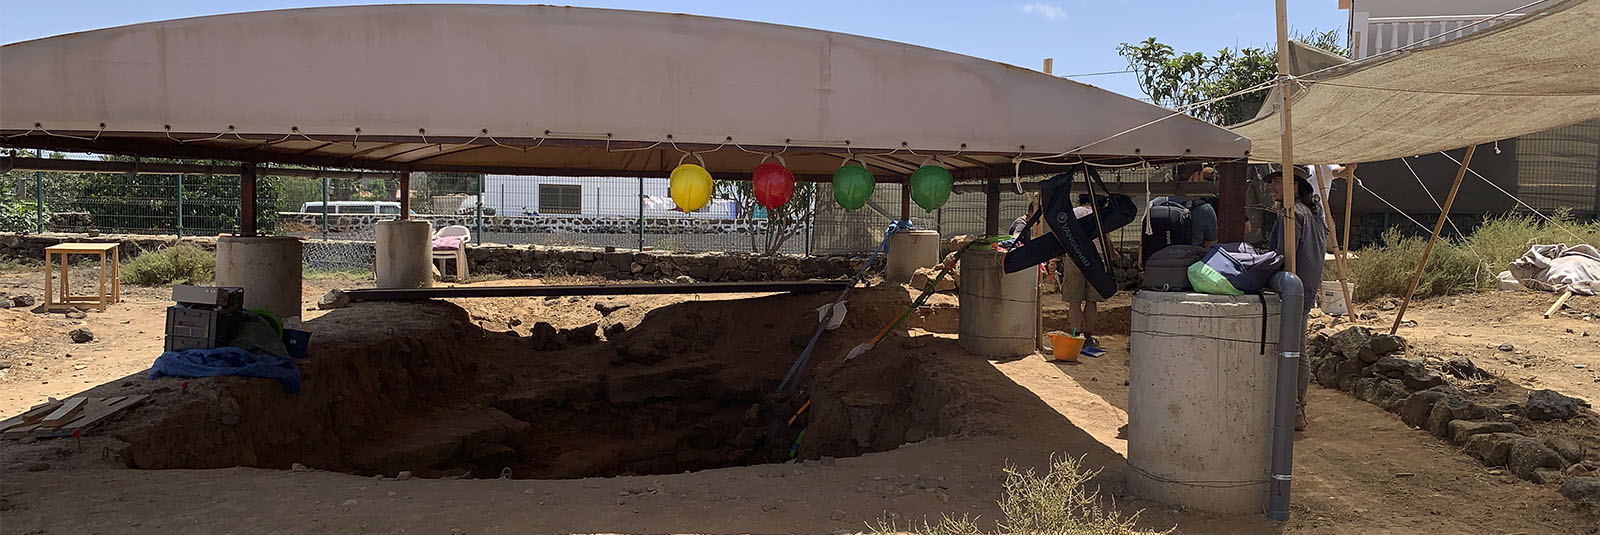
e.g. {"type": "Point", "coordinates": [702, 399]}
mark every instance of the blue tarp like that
{"type": "Point", "coordinates": [226, 361]}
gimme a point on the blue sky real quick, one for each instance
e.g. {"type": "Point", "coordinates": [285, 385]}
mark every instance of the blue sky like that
{"type": "Point", "coordinates": [1082, 35]}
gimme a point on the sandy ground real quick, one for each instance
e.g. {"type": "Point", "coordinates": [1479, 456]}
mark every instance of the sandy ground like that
{"type": "Point", "coordinates": [1358, 469]}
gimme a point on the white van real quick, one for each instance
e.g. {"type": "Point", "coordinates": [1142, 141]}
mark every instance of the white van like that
{"type": "Point", "coordinates": [353, 207]}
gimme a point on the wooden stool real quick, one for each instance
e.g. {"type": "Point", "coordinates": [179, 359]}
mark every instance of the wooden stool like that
{"type": "Point", "coordinates": [67, 300]}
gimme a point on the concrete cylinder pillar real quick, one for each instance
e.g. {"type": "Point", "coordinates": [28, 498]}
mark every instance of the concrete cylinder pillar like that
{"type": "Point", "coordinates": [909, 250]}
{"type": "Point", "coordinates": [267, 268]}
{"type": "Point", "coordinates": [1200, 399]}
{"type": "Point", "coordinates": [405, 254]}
{"type": "Point", "coordinates": [998, 318]}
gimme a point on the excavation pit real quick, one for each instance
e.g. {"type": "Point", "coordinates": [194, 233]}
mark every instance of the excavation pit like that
{"type": "Point", "coordinates": [419, 387]}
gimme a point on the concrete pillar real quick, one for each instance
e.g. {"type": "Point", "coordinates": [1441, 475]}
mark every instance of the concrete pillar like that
{"type": "Point", "coordinates": [268, 268]}
{"type": "Point", "coordinates": [1200, 399]}
{"type": "Point", "coordinates": [909, 250]}
{"type": "Point", "coordinates": [405, 254]}
{"type": "Point", "coordinates": [998, 317]}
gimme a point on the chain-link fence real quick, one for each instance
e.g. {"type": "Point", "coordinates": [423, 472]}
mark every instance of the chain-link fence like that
{"type": "Point", "coordinates": [338, 216]}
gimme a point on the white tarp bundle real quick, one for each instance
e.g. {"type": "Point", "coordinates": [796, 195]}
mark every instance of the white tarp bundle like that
{"type": "Point", "coordinates": [1557, 268]}
{"type": "Point", "coordinates": [1539, 72]}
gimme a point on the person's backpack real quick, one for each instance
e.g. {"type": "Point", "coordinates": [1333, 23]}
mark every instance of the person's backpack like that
{"type": "Point", "coordinates": [1168, 269]}
{"type": "Point", "coordinates": [1246, 269]}
{"type": "Point", "coordinates": [1169, 225]}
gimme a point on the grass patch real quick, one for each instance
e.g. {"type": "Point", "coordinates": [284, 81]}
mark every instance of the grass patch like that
{"type": "Point", "coordinates": [1056, 502]}
{"type": "Point", "coordinates": [1461, 265]}
{"type": "Point", "coordinates": [179, 264]}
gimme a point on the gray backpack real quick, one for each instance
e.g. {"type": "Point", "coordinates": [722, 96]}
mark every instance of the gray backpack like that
{"type": "Point", "coordinates": [1167, 270]}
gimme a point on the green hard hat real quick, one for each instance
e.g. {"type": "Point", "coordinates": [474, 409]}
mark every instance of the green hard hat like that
{"type": "Point", "coordinates": [930, 186]}
{"type": "Point", "coordinates": [852, 185]}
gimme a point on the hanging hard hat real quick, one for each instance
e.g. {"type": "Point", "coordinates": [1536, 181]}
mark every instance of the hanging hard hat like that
{"type": "Point", "coordinates": [930, 186]}
{"type": "Point", "coordinates": [690, 185]}
{"type": "Point", "coordinates": [773, 184]}
{"type": "Point", "coordinates": [852, 185]}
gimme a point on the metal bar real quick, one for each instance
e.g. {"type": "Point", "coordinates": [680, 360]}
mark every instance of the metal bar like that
{"type": "Point", "coordinates": [402, 294]}
{"type": "Point", "coordinates": [478, 235]}
{"type": "Point", "coordinates": [324, 207]}
{"type": "Point", "coordinates": [38, 198]}
{"type": "Point", "coordinates": [180, 206]}
{"type": "Point", "coordinates": [641, 214]}
{"type": "Point", "coordinates": [118, 167]}
{"type": "Point", "coordinates": [1444, 214]}
{"type": "Point", "coordinates": [247, 199]}
{"type": "Point", "coordinates": [1125, 188]}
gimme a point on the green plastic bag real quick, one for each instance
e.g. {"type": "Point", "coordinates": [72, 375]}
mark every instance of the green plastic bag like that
{"type": "Point", "coordinates": [852, 185]}
{"type": "Point", "coordinates": [1206, 280]}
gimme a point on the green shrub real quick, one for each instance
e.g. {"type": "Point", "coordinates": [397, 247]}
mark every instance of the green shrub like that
{"type": "Point", "coordinates": [1459, 265]}
{"type": "Point", "coordinates": [1056, 502]}
{"type": "Point", "coordinates": [179, 264]}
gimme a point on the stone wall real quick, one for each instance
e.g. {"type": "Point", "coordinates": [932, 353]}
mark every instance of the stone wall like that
{"type": "Point", "coordinates": [529, 260]}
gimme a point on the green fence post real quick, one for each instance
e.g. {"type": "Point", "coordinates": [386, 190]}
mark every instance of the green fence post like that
{"type": "Point", "coordinates": [479, 196]}
{"type": "Point", "coordinates": [38, 197]}
{"type": "Point", "coordinates": [324, 207]}
{"type": "Point", "coordinates": [180, 206]}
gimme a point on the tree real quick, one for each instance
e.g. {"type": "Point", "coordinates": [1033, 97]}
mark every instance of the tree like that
{"type": "Point", "coordinates": [1179, 80]}
{"type": "Point", "coordinates": [782, 223]}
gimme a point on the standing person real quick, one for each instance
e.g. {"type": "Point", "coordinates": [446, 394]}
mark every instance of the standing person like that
{"type": "Point", "coordinates": [1082, 310]}
{"type": "Point", "coordinates": [1310, 237]}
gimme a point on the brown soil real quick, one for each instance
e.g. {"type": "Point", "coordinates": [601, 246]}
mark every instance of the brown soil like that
{"type": "Point", "coordinates": [917, 428]}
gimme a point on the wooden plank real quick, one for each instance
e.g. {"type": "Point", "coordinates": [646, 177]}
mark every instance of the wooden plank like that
{"type": "Point", "coordinates": [31, 417]}
{"type": "Point", "coordinates": [65, 413]}
{"type": "Point", "coordinates": [97, 414]}
{"type": "Point", "coordinates": [401, 294]}
{"type": "Point", "coordinates": [1559, 301]}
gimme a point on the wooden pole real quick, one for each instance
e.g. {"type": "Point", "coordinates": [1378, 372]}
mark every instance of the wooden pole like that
{"type": "Point", "coordinates": [991, 208]}
{"type": "Point", "coordinates": [247, 199]}
{"type": "Point", "coordinates": [1444, 213]}
{"type": "Point", "coordinates": [1344, 247]}
{"type": "Point", "coordinates": [1559, 301]}
{"type": "Point", "coordinates": [405, 196]}
{"type": "Point", "coordinates": [1286, 129]}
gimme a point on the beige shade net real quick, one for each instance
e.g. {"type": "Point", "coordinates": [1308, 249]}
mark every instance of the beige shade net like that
{"type": "Point", "coordinates": [1537, 73]}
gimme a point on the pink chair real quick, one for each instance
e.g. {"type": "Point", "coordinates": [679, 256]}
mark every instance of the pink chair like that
{"type": "Point", "coordinates": [457, 252]}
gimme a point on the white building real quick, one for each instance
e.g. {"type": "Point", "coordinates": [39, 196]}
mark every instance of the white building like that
{"type": "Point", "coordinates": [589, 196]}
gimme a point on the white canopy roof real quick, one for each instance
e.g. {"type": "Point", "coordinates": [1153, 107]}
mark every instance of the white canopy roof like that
{"type": "Point", "coordinates": [558, 90]}
{"type": "Point", "coordinates": [1540, 72]}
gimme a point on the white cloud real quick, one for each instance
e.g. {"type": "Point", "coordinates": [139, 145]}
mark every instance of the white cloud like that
{"type": "Point", "coordinates": [1050, 12]}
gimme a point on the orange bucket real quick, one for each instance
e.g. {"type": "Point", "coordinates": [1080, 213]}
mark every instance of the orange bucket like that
{"type": "Point", "coordinates": [1065, 347]}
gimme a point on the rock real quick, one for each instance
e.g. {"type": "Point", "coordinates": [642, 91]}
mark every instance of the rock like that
{"type": "Point", "coordinates": [1507, 347]}
{"type": "Point", "coordinates": [543, 337]}
{"type": "Point", "coordinates": [81, 335]}
{"type": "Point", "coordinates": [403, 475]}
{"type": "Point", "coordinates": [513, 322]}
{"type": "Point", "coordinates": [1527, 455]}
{"type": "Point", "coordinates": [1390, 395]}
{"type": "Point", "coordinates": [348, 503]}
{"type": "Point", "coordinates": [334, 299]}
{"type": "Point", "coordinates": [614, 330]}
{"type": "Point", "coordinates": [587, 334]}
{"type": "Point", "coordinates": [921, 277]}
{"type": "Point", "coordinates": [1366, 315]}
{"type": "Point", "coordinates": [606, 308]}
{"type": "Point", "coordinates": [1569, 448]}
{"type": "Point", "coordinates": [1327, 373]}
{"type": "Point", "coordinates": [1491, 448]}
{"type": "Point", "coordinates": [297, 467]}
{"type": "Point", "coordinates": [1386, 344]}
{"type": "Point", "coordinates": [683, 279]}
{"type": "Point", "coordinates": [1347, 372]}
{"type": "Point", "coordinates": [1414, 412]}
{"type": "Point", "coordinates": [22, 301]}
{"type": "Point", "coordinates": [1582, 490]}
{"type": "Point", "coordinates": [839, 515]}
{"type": "Point", "coordinates": [1462, 367]}
{"type": "Point", "coordinates": [1349, 342]}
{"type": "Point", "coordinates": [75, 314]}
{"type": "Point", "coordinates": [1550, 405]}
{"type": "Point", "coordinates": [1421, 378]}
{"type": "Point", "coordinates": [1452, 409]}
{"type": "Point", "coordinates": [1461, 430]}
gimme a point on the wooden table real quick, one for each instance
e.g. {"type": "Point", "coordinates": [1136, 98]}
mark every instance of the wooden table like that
{"type": "Point", "coordinates": [101, 297]}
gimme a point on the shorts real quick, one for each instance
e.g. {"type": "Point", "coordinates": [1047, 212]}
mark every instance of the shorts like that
{"type": "Point", "coordinates": [1074, 286]}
